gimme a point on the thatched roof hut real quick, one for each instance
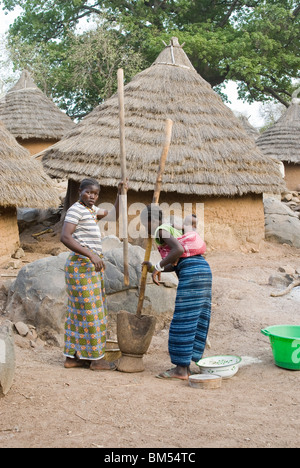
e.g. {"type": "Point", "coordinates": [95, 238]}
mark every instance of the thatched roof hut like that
{"type": "Point", "coordinates": [23, 183]}
{"type": "Point", "coordinates": [282, 141]}
{"type": "Point", "coordinates": [32, 118]}
{"type": "Point", "coordinates": [250, 130]}
{"type": "Point", "coordinates": [211, 154]}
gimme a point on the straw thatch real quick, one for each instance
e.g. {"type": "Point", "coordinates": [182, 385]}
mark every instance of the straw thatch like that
{"type": "Point", "coordinates": [29, 114]}
{"type": "Point", "coordinates": [23, 181]}
{"type": "Point", "coordinates": [250, 130]}
{"type": "Point", "coordinates": [210, 152]}
{"type": "Point", "coordinates": [282, 140]}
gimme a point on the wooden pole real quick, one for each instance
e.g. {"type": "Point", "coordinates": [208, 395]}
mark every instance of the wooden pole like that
{"type": "Point", "coordinates": [123, 207]}
{"type": "Point", "coordinates": [163, 158]}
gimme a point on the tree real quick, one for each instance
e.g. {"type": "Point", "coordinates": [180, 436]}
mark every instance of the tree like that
{"type": "Point", "coordinates": [255, 43]}
{"type": "Point", "coordinates": [80, 72]}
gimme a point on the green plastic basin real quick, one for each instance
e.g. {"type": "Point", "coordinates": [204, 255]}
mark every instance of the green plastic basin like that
{"type": "Point", "coordinates": [285, 343]}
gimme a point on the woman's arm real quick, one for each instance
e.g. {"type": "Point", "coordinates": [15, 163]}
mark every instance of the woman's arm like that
{"type": "Point", "coordinates": [176, 251]}
{"type": "Point", "coordinates": [168, 269]}
{"type": "Point", "coordinates": [72, 244]}
{"type": "Point", "coordinates": [176, 248]}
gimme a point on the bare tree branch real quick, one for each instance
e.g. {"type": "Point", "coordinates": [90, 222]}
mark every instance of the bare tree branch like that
{"type": "Point", "coordinates": [229, 13]}
{"type": "Point", "coordinates": [277, 96]}
{"type": "Point", "coordinates": [296, 11]}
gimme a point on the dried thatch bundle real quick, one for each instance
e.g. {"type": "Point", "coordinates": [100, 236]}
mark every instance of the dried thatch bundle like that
{"type": "Point", "coordinates": [23, 181]}
{"type": "Point", "coordinates": [210, 153]}
{"type": "Point", "coordinates": [282, 140]}
{"type": "Point", "coordinates": [28, 113]}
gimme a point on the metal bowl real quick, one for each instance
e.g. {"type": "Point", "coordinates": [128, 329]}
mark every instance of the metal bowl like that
{"type": "Point", "coordinates": [224, 366]}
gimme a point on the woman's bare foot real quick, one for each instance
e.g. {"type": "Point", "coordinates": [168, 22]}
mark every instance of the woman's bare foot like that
{"type": "Point", "coordinates": [176, 373]}
{"type": "Point", "coordinates": [102, 365]}
{"type": "Point", "coordinates": [74, 362]}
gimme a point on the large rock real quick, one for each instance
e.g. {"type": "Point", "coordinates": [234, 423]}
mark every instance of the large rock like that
{"type": "Point", "coordinates": [281, 223]}
{"type": "Point", "coordinates": [30, 216]}
{"type": "Point", "coordinates": [38, 296]}
{"type": "Point", "coordinates": [7, 358]}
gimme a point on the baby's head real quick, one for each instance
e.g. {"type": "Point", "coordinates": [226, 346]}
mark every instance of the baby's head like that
{"type": "Point", "coordinates": [190, 223]}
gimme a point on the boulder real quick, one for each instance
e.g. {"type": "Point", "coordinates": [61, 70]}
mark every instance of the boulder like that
{"type": "Point", "coordinates": [22, 328]}
{"type": "Point", "coordinates": [7, 357]}
{"type": "Point", "coordinates": [19, 253]}
{"type": "Point", "coordinates": [32, 216]}
{"type": "Point", "coordinates": [281, 223]}
{"type": "Point", "coordinates": [111, 242]}
{"type": "Point", "coordinates": [279, 281]}
{"type": "Point", "coordinates": [38, 296]}
{"type": "Point", "coordinates": [28, 215]}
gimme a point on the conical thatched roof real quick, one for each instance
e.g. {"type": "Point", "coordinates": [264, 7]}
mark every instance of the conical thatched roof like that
{"type": "Point", "coordinates": [28, 113]}
{"type": "Point", "coordinates": [282, 140]}
{"type": "Point", "coordinates": [250, 130]}
{"type": "Point", "coordinates": [210, 152]}
{"type": "Point", "coordinates": [23, 181]}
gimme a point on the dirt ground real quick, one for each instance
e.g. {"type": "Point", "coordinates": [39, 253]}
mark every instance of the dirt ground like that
{"type": "Point", "coordinates": [49, 406]}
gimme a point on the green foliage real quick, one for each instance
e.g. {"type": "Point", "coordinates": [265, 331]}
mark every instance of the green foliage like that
{"type": "Point", "coordinates": [255, 43]}
{"type": "Point", "coordinates": [82, 69]}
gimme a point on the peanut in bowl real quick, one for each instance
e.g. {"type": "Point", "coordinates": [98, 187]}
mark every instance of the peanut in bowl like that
{"type": "Point", "coordinates": [224, 366]}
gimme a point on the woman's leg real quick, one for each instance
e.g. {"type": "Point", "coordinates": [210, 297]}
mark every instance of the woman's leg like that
{"type": "Point", "coordinates": [201, 333]}
{"type": "Point", "coordinates": [189, 327]}
{"type": "Point", "coordinates": [85, 328]}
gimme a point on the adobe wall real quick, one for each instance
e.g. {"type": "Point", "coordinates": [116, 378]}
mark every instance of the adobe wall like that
{"type": "Point", "coordinates": [36, 146]}
{"type": "Point", "coordinates": [231, 223]}
{"type": "Point", "coordinates": [228, 222]}
{"type": "Point", "coordinates": [9, 232]}
{"type": "Point", "coordinates": [292, 176]}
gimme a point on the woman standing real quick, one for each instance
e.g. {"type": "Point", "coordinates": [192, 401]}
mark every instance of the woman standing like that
{"type": "Point", "coordinates": [86, 321]}
{"type": "Point", "coordinates": [190, 323]}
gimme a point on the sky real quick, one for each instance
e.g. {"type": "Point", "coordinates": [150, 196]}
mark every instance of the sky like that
{"type": "Point", "coordinates": [6, 20]}
{"type": "Point", "coordinates": [252, 111]}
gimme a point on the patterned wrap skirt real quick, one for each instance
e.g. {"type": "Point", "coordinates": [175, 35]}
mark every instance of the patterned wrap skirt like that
{"type": "Point", "coordinates": [190, 324]}
{"type": "Point", "coordinates": [86, 320]}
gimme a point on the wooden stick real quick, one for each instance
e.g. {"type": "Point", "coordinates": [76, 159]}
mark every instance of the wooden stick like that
{"type": "Point", "coordinates": [144, 277]}
{"type": "Point", "coordinates": [45, 231]}
{"type": "Point", "coordinates": [123, 174]}
{"type": "Point", "coordinates": [12, 275]}
{"type": "Point", "coordinates": [163, 158]}
{"type": "Point", "coordinates": [294, 284]}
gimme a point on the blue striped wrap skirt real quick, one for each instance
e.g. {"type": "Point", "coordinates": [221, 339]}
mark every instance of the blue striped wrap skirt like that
{"type": "Point", "coordinates": [190, 324]}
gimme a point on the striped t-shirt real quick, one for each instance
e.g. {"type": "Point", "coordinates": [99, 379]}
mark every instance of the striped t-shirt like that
{"type": "Point", "coordinates": [87, 232]}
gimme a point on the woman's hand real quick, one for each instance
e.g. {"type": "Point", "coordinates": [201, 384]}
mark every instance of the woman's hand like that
{"type": "Point", "coordinates": [72, 244]}
{"type": "Point", "coordinates": [97, 261]}
{"type": "Point", "coordinates": [156, 275]}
